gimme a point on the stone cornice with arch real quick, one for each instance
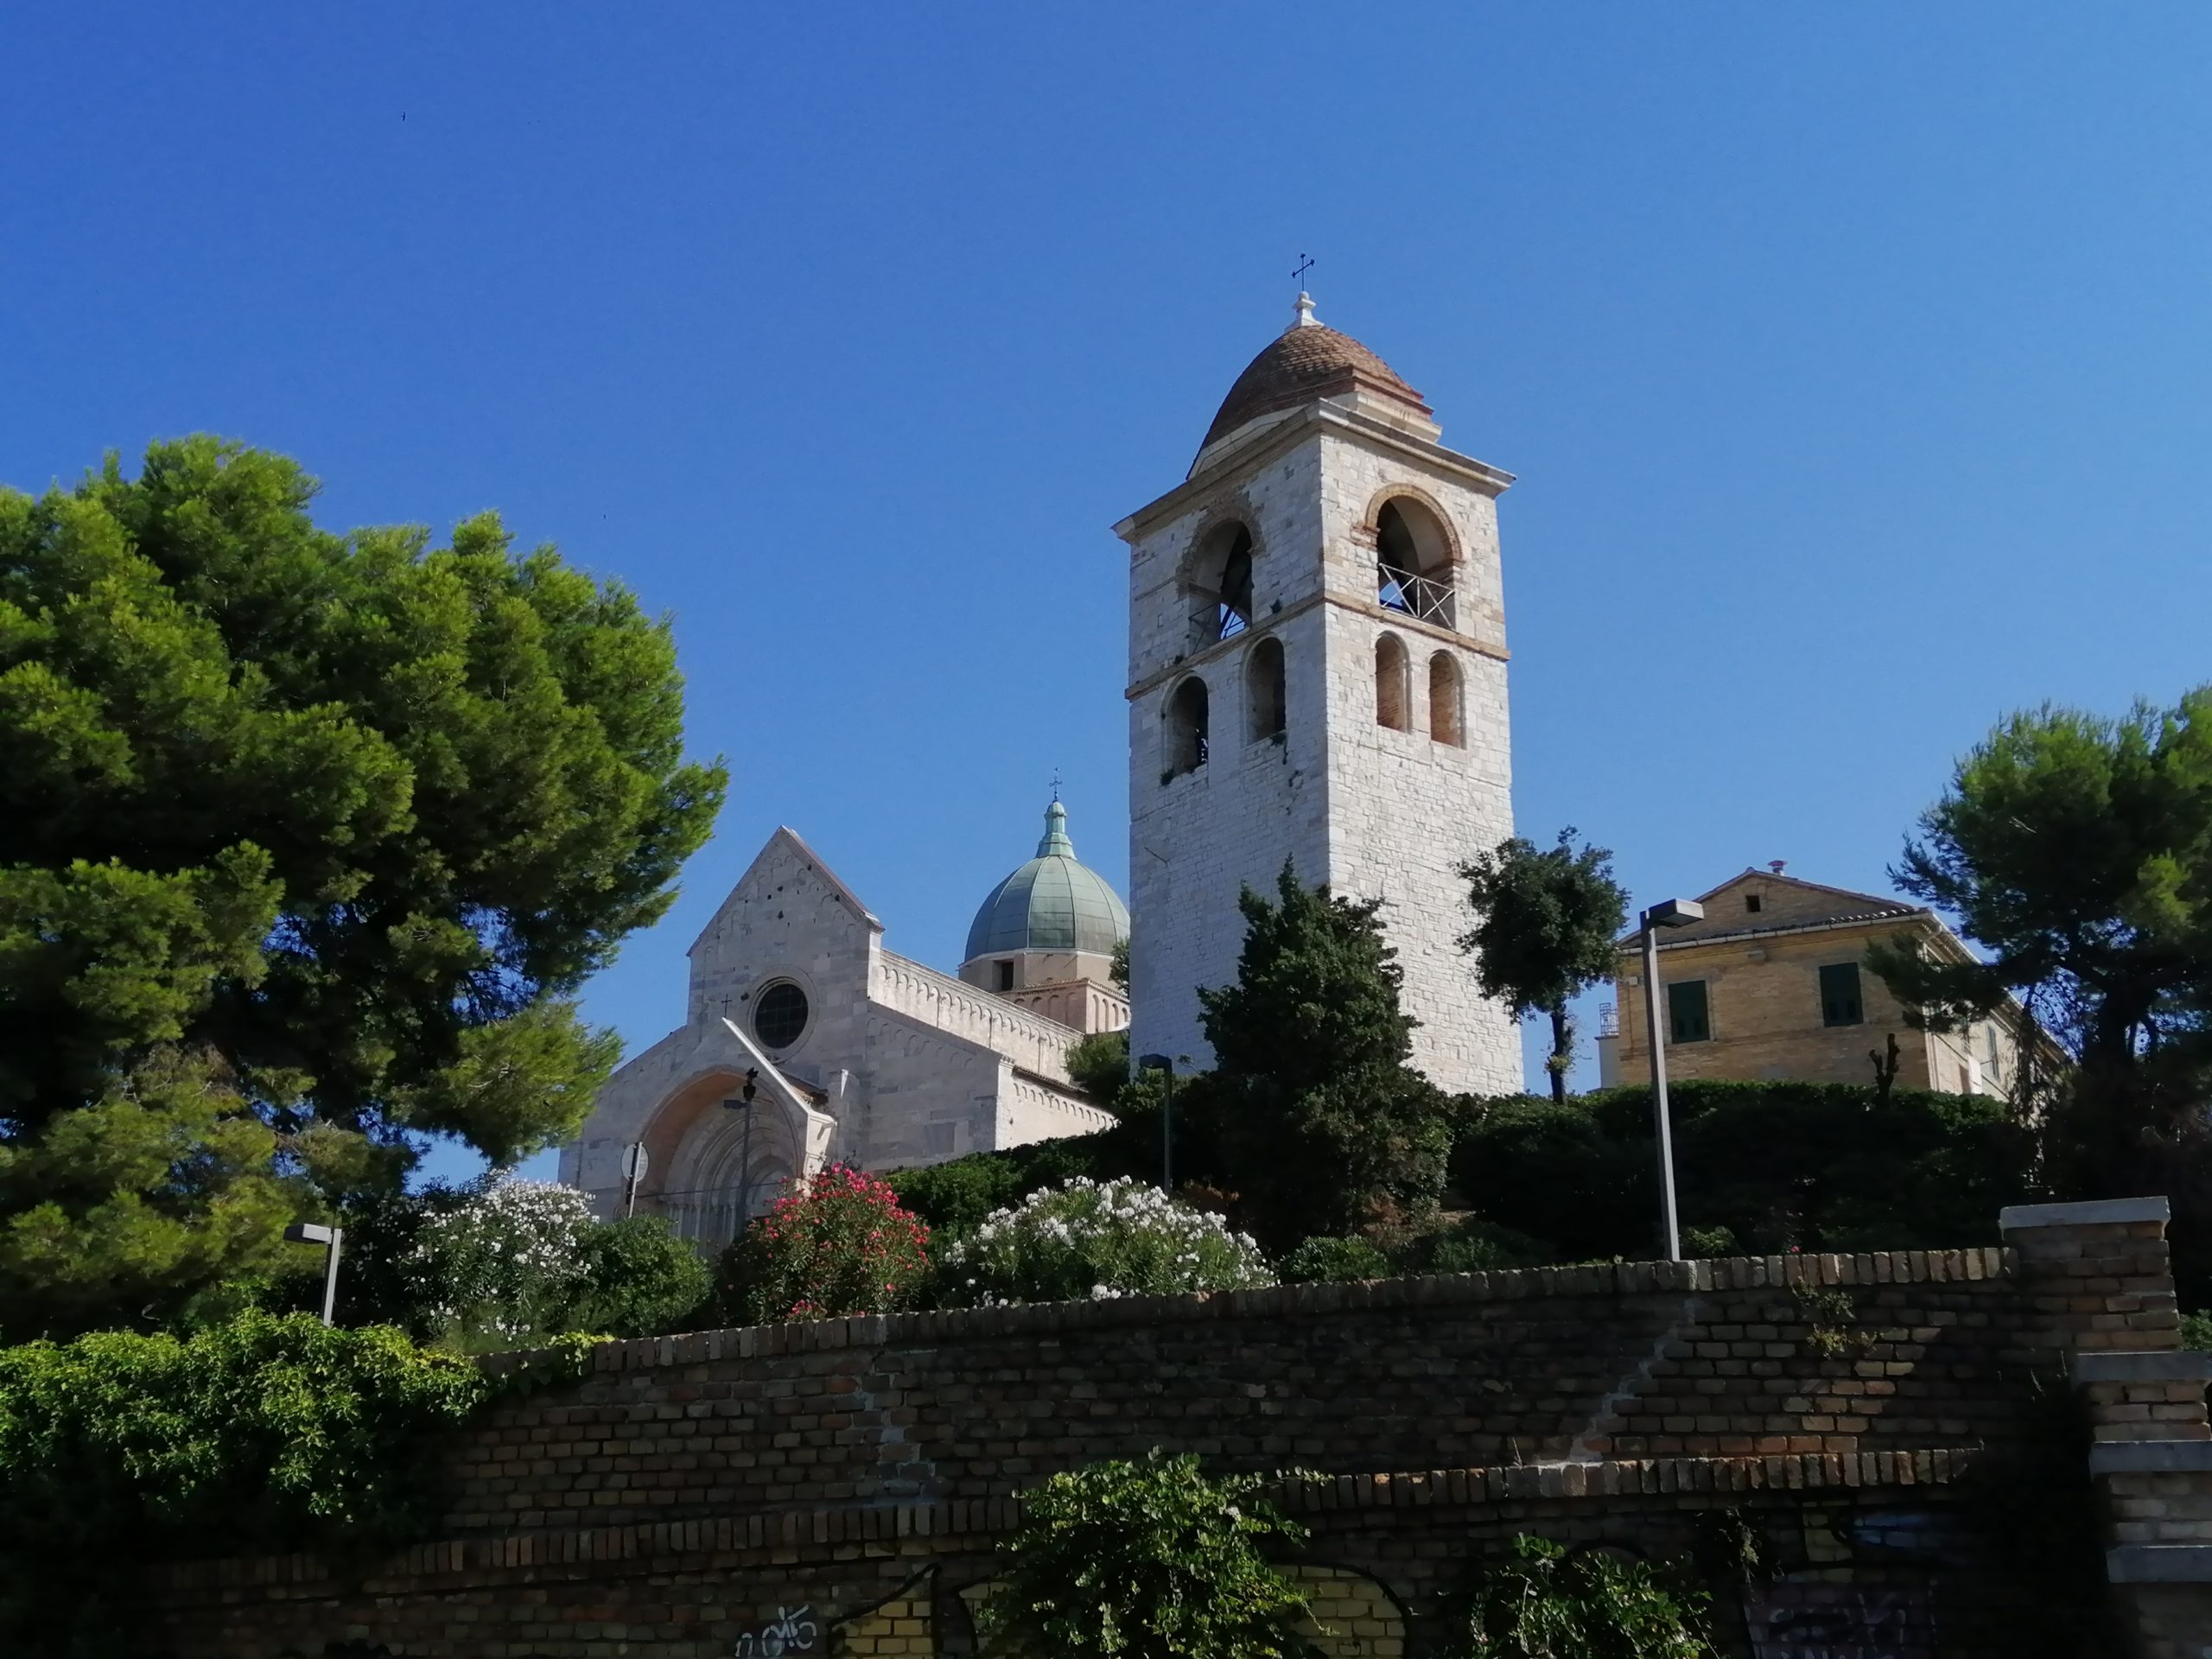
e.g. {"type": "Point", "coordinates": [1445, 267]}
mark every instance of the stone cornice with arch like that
{"type": "Point", "coordinates": [1367, 533]}
{"type": "Point", "coordinates": [687, 1131]}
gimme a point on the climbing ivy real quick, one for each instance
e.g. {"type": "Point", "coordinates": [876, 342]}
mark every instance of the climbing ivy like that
{"type": "Point", "coordinates": [119, 1448]}
{"type": "Point", "coordinates": [1545, 1601]}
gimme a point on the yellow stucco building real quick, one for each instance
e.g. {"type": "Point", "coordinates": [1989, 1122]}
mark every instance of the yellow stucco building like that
{"type": "Point", "coordinates": [1773, 983]}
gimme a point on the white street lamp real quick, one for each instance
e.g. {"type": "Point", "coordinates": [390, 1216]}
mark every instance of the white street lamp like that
{"type": "Point", "coordinates": [1672, 913]}
{"type": "Point", "coordinates": [310, 1232]}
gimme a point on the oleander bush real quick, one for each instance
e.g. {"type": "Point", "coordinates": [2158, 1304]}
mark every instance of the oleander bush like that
{"type": "Point", "coordinates": [1089, 1241]}
{"type": "Point", "coordinates": [502, 1264]}
{"type": "Point", "coordinates": [500, 1268]}
{"type": "Point", "coordinates": [837, 1243]}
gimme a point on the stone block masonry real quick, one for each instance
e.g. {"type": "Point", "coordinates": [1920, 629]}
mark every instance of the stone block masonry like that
{"type": "Point", "coordinates": [1379, 806]}
{"type": "Point", "coordinates": [1870, 1416]}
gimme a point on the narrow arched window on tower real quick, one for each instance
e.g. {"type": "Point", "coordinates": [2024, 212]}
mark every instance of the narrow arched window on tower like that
{"type": "Point", "coordinates": [1413, 562]}
{"type": "Point", "coordinates": [1234, 609]}
{"type": "Point", "coordinates": [1186, 727]}
{"type": "Point", "coordinates": [1390, 698]}
{"type": "Point", "coordinates": [1444, 718]}
{"type": "Point", "coordinates": [1218, 580]}
{"type": "Point", "coordinates": [1263, 690]}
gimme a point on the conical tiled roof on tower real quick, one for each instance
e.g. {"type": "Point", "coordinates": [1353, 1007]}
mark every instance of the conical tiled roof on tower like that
{"type": "Point", "coordinates": [1307, 362]}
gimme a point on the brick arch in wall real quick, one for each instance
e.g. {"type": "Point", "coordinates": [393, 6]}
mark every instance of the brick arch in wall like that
{"type": "Point", "coordinates": [1393, 683]}
{"type": "Point", "coordinates": [1185, 725]}
{"type": "Point", "coordinates": [1368, 532]}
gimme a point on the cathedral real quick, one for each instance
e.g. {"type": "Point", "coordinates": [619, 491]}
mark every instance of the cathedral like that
{"type": "Point", "coordinates": [1317, 676]}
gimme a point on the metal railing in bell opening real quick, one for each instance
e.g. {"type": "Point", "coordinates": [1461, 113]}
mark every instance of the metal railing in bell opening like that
{"type": "Point", "coordinates": [1417, 596]}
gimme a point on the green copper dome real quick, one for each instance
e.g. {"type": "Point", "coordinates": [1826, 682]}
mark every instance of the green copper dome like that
{"type": "Point", "coordinates": [1052, 903]}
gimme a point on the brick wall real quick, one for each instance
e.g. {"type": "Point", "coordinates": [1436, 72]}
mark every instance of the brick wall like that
{"type": "Point", "coordinates": [1874, 1417]}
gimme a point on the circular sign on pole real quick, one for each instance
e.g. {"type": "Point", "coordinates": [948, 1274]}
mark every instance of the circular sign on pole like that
{"type": "Point", "coordinates": [633, 1161]}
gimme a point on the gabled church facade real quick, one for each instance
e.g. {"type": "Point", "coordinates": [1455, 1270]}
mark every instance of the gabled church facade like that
{"type": "Point", "coordinates": [851, 1052]}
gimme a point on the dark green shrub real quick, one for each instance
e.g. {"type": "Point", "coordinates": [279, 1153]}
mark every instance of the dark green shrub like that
{"type": "Point", "coordinates": [640, 1280]}
{"type": "Point", "coordinates": [1545, 1602]}
{"type": "Point", "coordinates": [1833, 1166]}
{"type": "Point", "coordinates": [1146, 1559]}
{"type": "Point", "coordinates": [1551, 1172]}
{"type": "Point", "coordinates": [1778, 1166]}
{"type": "Point", "coordinates": [1703, 1243]}
{"type": "Point", "coordinates": [956, 1196]}
{"type": "Point", "coordinates": [1100, 1065]}
{"type": "Point", "coordinates": [1333, 1262]}
{"type": "Point", "coordinates": [2197, 1331]}
{"type": "Point", "coordinates": [1477, 1246]}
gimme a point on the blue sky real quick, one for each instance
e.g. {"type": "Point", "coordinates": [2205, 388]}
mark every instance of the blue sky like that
{"type": "Point", "coordinates": [1853, 362]}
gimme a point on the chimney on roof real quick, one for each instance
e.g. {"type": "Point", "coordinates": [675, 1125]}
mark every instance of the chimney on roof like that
{"type": "Point", "coordinates": [1778, 865]}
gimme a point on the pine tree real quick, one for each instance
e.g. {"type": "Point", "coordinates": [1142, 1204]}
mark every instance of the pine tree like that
{"type": "Point", "coordinates": [1320, 1124]}
{"type": "Point", "coordinates": [1546, 920]}
{"type": "Point", "coordinates": [346, 818]}
{"type": "Point", "coordinates": [2077, 852]}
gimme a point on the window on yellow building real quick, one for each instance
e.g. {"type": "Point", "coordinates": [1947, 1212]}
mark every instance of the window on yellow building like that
{"type": "Point", "coordinates": [1840, 1003]}
{"type": "Point", "coordinates": [1687, 1017]}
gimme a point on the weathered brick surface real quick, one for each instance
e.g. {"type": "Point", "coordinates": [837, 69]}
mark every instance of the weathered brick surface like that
{"type": "Point", "coordinates": [891, 1581]}
{"type": "Point", "coordinates": [1728, 1359]}
{"type": "Point", "coordinates": [1880, 1421]}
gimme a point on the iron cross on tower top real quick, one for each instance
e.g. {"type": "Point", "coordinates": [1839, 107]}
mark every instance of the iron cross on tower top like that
{"type": "Point", "coordinates": [1305, 264]}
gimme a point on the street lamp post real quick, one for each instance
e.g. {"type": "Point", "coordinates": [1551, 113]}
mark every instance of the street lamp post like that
{"type": "Point", "coordinates": [311, 1232]}
{"type": "Point", "coordinates": [745, 1103]}
{"type": "Point", "coordinates": [1163, 1062]}
{"type": "Point", "coordinates": [1672, 913]}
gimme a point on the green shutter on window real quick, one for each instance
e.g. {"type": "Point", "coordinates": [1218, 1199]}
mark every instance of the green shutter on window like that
{"type": "Point", "coordinates": [1686, 1013]}
{"type": "Point", "coordinates": [1840, 1003]}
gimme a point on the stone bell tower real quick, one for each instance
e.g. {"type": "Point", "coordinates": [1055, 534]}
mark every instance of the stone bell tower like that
{"type": "Point", "coordinates": [1317, 672]}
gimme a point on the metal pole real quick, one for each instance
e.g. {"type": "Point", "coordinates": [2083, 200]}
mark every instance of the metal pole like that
{"type": "Point", "coordinates": [744, 1169]}
{"type": "Point", "coordinates": [1167, 1136]}
{"type": "Point", "coordinates": [330, 1276]}
{"type": "Point", "coordinates": [1659, 1088]}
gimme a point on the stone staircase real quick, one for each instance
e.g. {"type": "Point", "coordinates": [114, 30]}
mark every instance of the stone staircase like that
{"type": "Point", "coordinates": [2107, 1286]}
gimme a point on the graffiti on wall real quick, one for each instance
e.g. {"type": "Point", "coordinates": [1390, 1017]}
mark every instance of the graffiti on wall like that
{"type": "Point", "coordinates": [791, 1631]}
{"type": "Point", "coordinates": [1840, 1621]}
